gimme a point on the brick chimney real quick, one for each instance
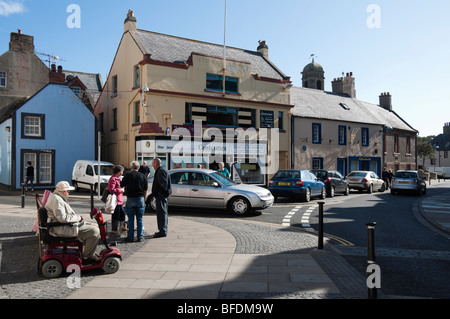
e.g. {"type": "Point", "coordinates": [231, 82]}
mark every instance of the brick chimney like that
{"type": "Point", "coordinates": [386, 101]}
{"type": "Point", "coordinates": [130, 23]}
{"type": "Point", "coordinates": [345, 85]}
{"type": "Point", "coordinates": [21, 42]}
{"type": "Point", "coordinates": [263, 49]}
{"type": "Point", "coordinates": [57, 76]}
{"type": "Point", "coordinates": [447, 128]}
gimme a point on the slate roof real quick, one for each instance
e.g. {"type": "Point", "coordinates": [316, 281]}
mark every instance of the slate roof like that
{"type": "Point", "coordinates": [443, 141]}
{"type": "Point", "coordinates": [92, 81]}
{"type": "Point", "coordinates": [167, 48]}
{"type": "Point", "coordinates": [311, 103]}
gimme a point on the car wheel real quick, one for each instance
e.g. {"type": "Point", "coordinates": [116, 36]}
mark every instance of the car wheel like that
{"type": "Point", "coordinates": [75, 185]}
{"type": "Point", "coordinates": [239, 205]}
{"type": "Point", "coordinates": [383, 188]}
{"type": "Point", "coordinates": [347, 191]}
{"type": "Point", "coordinates": [323, 195]}
{"type": "Point", "coordinates": [331, 193]}
{"type": "Point", "coordinates": [370, 190]}
{"type": "Point", "coordinates": [392, 191]}
{"type": "Point", "coordinates": [307, 196]}
{"type": "Point", "coordinates": [52, 268]}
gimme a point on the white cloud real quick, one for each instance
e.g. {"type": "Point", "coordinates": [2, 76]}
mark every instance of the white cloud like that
{"type": "Point", "coordinates": [9, 7]}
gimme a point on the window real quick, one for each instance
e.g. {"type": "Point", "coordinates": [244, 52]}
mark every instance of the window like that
{"type": "Point", "coordinates": [344, 106]}
{"type": "Point", "coordinates": [3, 79]}
{"type": "Point", "coordinates": [408, 144]}
{"type": "Point", "coordinates": [114, 84]}
{"type": "Point", "coordinates": [114, 124]}
{"type": "Point", "coordinates": [137, 76]}
{"type": "Point", "coordinates": [33, 126]}
{"type": "Point", "coordinates": [280, 121]}
{"type": "Point", "coordinates": [316, 133]}
{"type": "Point", "coordinates": [396, 143]}
{"type": "Point", "coordinates": [445, 154]}
{"type": "Point", "coordinates": [76, 90]}
{"type": "Point", "coordinates": [365, 136]}
{"type": "Point", "coordinates": [342, 135]}
{"type": "Point", "coordinates": [215, 83]}
{"type": "Point", "coordinates": [137, 112]}
{"type": "Point", "coordinates": [317, 163]}
{"type": "Point", "coordinates": [44, 165]}
{"type": "Point", "coordinates": [221, 116]}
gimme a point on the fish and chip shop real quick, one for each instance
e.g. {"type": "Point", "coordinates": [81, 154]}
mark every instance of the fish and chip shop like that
{"type": "Point", "coordinates": [245, 161]}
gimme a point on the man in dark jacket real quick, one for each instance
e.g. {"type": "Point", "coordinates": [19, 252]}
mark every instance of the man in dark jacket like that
{"type": "Point", "coordinates": [161, 190]}
{"type": "Point", "coordinates": [136, 187]}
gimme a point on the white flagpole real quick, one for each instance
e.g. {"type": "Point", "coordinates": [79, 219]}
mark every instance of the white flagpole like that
{"type": "Point", "coordinates": [225, 48]}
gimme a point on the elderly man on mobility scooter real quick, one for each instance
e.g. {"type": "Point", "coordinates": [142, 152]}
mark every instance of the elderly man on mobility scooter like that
{"type": "Point", "coordinates": [59, 210]}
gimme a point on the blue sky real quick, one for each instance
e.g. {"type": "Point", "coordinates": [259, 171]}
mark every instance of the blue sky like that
{"type": "Point", "coordinates": [400, 46]}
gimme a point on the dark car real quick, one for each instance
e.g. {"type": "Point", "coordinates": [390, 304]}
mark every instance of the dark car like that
{"type": "Point", "coordinates": [296, 183]}
{"type": "Point", "coordinates": [333, 180]}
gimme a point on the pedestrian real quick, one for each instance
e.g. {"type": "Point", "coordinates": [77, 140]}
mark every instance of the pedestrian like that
{"type": "Point", "coordinates": [144, 169]}
{"type": "Point", "coordinates": [118, 216]}
{"type": "Point", "coordinates": [136, 188]}
{"type": "Point", "coordinates": [222, 170]}
{"type": "Point", "coordinates": [29, 177]}
{"type": "Point", "coordinates": [59, 210]}
{"type": "Point", "coordinates": [161, 190]}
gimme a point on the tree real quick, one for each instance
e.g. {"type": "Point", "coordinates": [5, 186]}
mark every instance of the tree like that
{"type": "Point", "coordinates": [425, 149]}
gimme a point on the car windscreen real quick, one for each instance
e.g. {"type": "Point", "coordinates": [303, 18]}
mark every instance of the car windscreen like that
{"type": "Point", "coordinates": [104, 169]}
{"type": "Point", "coordinates": [224, 180]}
{"type": "Point", "coordinates": [358, 174]}
{"type": "Point", "coordinates": [320, 174]}
{"type": "Point", "coordinates": [405, 175]}
{"type": "Point", "coordinates": [287, 174]}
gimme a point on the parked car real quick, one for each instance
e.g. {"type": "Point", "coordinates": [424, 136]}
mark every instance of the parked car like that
{"type": "Point", "coordinates": [333, 180]}
{"type": "Point", "coordinates": [85, 173]}
{"type": "Point", "coordinates": [204, 188]}
{"type": "Point", "coordinates": [296, 183]}
{"type": "Point", "coordinates": [408, 181]}
{"type": "Point", "coordinates": [365, 180]}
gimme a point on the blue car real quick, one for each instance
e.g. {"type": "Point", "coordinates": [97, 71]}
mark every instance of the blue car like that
{"type": "Point", "coordinates": [296, 183]}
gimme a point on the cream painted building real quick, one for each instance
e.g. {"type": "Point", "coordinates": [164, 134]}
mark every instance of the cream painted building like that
{"type": "Point", "coordinates": [163, 91]}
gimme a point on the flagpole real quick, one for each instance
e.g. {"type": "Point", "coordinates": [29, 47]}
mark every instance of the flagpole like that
{"type": "Point", "coordinates": [225, 48]}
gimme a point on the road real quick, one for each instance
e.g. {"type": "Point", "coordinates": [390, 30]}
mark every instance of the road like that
{"type": "Point", "coordinates": [413, 258]}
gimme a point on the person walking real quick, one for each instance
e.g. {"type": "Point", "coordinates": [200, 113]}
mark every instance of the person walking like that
{"type": "Point", "coordinates": [136, 187]}
{"type": "Point", "coordinates": [118, 217]}
{"type": "Point", "coordinates": [29, 177]}
{"type": "Point", "coordinates": [161, 190]}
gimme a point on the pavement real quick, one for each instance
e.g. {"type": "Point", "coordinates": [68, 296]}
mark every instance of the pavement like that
{"type": "Point", "coordinates": [203, 259]}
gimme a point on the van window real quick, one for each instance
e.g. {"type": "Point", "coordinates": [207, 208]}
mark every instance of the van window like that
{"type": "Point", "coordinates": [89, 170]}
{"type": "Point", "coordinates": [104, 169]}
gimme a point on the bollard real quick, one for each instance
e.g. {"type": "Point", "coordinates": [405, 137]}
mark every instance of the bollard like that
{"type": "Point", "coordinates": [23, 195]}
{"type": "Point", "coordinates": [91, 187]}
{"type": "Point", "coordinates": [320, 246]}
{"type": "Point", "coordinates": [372, 292]}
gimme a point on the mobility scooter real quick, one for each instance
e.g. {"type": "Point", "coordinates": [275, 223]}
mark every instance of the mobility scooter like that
{"type": "Point", "coordinates": [62, 252]}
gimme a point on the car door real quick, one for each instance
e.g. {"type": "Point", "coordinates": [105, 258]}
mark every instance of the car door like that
{"type": "Point", "coordinates": [181, 189]}
{"type": "Point", "coordinates": [377, 182]}
{"type": "Point", "coordinates": [311, 180]}
{"type": "Point", "coordinates": [205, 191]}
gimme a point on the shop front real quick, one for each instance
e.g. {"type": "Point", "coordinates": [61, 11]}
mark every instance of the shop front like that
{"type": "Point", "coordinates": [245, 161]}
{"type": "Point", "coordinates": [365, 164]}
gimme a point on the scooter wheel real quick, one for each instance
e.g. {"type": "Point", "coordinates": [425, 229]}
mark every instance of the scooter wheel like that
{"type": "Point", "coordinates": [52, 268]}
{"type": "Point", "coordinates": [111, 265]}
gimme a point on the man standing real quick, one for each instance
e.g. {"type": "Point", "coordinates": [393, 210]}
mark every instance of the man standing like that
{"type": "Point", "coordinates": [144, 169]}
{"type": "Point", "coordinates": [29, 177]}
{"type": "Point", "coordinates": [136, 187]}
{"type": "Point", "coordinates": [161, 190]}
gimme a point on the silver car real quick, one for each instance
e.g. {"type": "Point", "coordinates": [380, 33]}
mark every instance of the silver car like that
{"type": "Point", "coordinates": [408, 181]}
{"type": "Point", "coordinates": [365, 180]}
{"type": "Point", "coordinates": [204, 188]}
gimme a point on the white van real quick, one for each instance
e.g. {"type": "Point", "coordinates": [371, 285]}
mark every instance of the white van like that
{"type": "Point", "coordinates": [85, 173]}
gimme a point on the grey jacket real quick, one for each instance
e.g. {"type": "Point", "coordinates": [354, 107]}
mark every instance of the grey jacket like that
{"type": "Point", "coordinates": [60, 211]}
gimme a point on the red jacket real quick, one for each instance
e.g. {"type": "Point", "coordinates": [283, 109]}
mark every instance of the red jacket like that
{"type": "Point", "coordinates": [114, 188]}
